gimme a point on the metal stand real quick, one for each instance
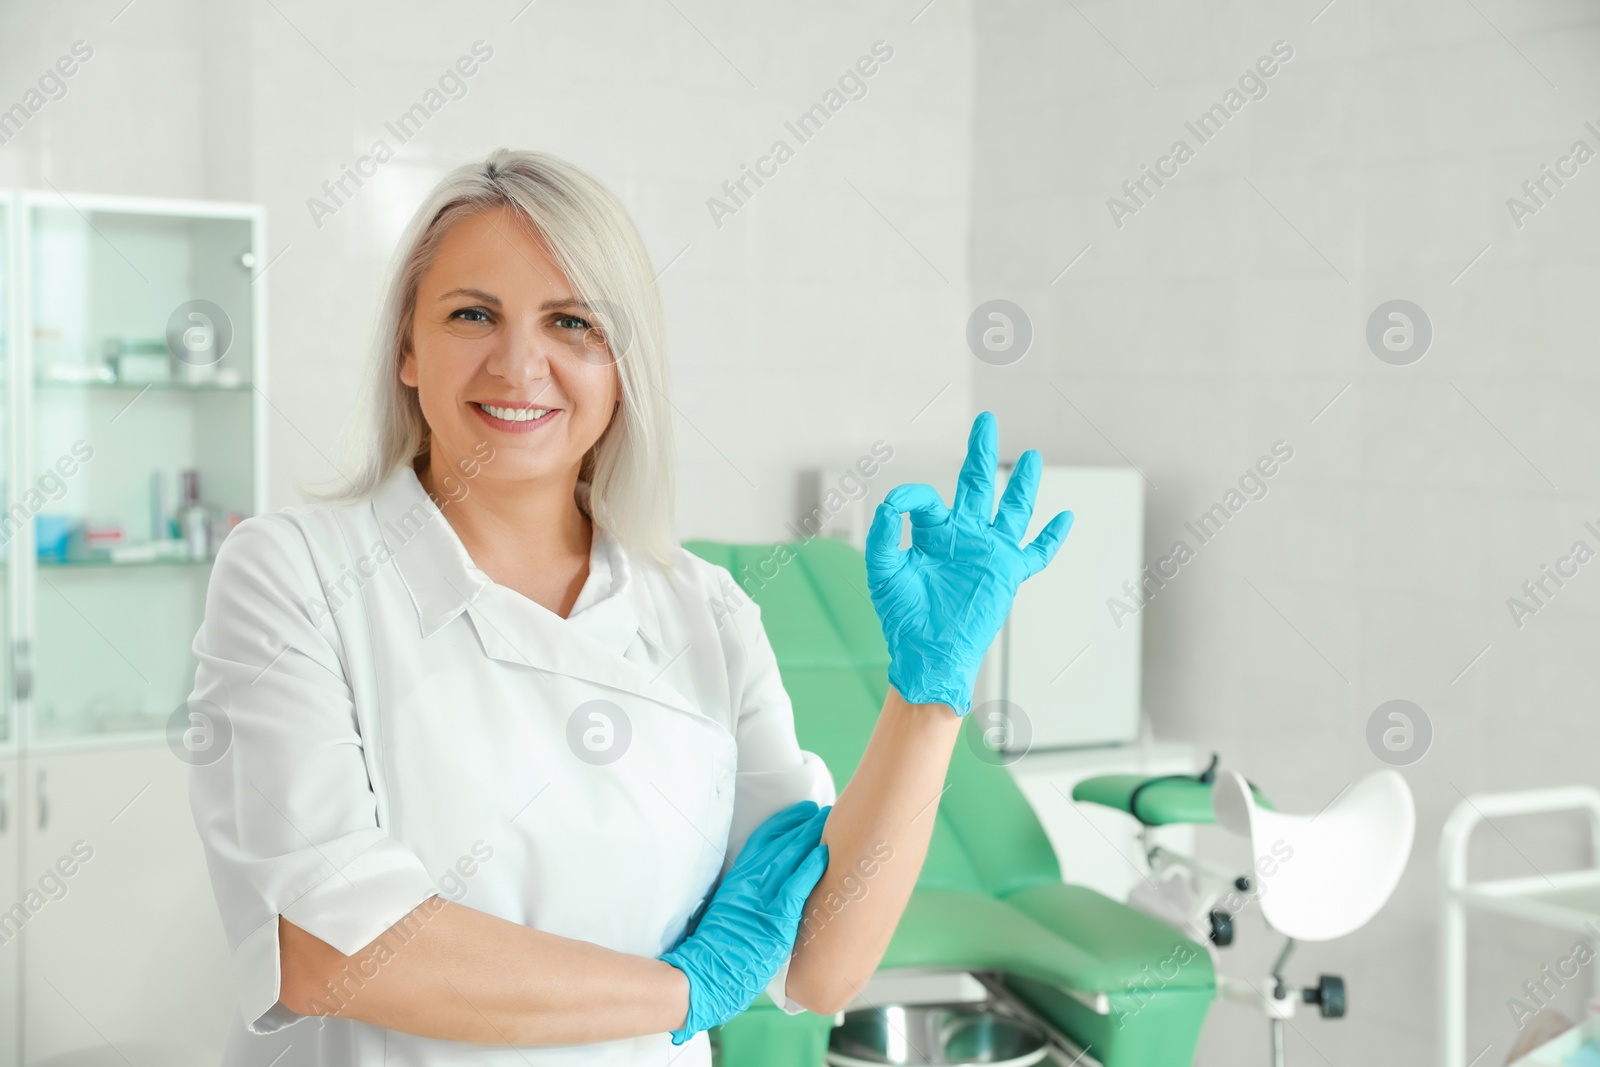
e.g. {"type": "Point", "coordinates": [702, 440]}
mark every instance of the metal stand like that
{"type": "Point", "coordinates": [1280, 992]}
{"type": "Point", "coordinates": [1277, 1000]}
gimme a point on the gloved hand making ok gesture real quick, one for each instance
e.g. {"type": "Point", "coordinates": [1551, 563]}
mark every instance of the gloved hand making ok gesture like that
{"type": "Point", "coordinates": [943, 600]}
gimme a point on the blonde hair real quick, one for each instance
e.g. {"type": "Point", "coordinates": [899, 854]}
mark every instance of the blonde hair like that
{"type": "Point", "coordinates": [627, 482]}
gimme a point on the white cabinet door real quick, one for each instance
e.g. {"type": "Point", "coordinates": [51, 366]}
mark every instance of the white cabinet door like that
{"type": "Point", "coordinates": [1071, 663]}
{"type": "Point", "coordinates": [124, 959]}
{"type": "Point", "coordinates": [10, 900]}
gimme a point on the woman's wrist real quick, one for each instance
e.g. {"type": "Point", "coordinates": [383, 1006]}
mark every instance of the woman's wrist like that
{"type": "Point", "coordinates": [934, 710]}
{"type": "Point", "coordinates": [674, 996]}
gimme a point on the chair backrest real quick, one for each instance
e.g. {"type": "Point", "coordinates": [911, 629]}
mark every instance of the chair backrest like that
{"type": "Point", "coordinates": [830, 650]}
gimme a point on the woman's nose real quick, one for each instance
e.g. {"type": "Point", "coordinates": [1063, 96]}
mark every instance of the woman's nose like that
{"type": "Point", "coordinates": [523, 359]}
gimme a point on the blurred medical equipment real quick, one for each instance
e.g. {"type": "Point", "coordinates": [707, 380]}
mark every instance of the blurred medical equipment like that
{"type": "Point", "coordinates": [1329, 872]}
{"type": "Point", "coordinates": [1346, 861]}
{"type": "Point", "coordinates": [99, 629]}
{"type": "Point", "coordinates": [1569, 900]}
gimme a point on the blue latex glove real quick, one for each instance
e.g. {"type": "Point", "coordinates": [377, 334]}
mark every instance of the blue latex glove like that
{"type": "Point", "coordinates": [748, 929]}
{"type": "Point", "coordinates": [943, 600]}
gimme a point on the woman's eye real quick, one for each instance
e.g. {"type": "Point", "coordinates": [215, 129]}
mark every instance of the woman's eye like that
{"type": "Point", "coordinates": [571, 322]}
{"type": "Point", "coordinates": [471, 311]}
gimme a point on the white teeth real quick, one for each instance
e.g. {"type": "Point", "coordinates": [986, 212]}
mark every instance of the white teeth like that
{"type": "Point", "coordinates": [515, 414]}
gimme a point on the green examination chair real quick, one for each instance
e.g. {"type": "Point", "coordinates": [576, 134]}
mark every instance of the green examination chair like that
{"type": "Point", "coordinates": [990, 896]}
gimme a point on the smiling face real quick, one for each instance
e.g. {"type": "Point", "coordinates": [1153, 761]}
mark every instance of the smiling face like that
{"type": "Point", "coordinates": [503, 352]}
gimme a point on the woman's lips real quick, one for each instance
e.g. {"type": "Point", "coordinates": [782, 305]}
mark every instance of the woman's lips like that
{"type": "Point", "coordinates": [507, 426]}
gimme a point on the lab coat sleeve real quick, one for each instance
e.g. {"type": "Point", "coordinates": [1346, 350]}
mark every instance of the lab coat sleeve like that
{"type": "Point", "coordinates": [774, 771]}
{"type": "Point", "coordinates": [286, 814]}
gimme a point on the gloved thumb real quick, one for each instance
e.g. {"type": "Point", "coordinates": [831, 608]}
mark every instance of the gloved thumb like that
{"type": "Point", "coordinates": [792, 897]}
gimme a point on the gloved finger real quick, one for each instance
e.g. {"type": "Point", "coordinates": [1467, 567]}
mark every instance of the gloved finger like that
{"type": "Point", "coordinates": [883, 540]}
{"type": "Point", "coordinates": [770, 835]}
{"type": "Point", "coordinates": [797, 844]}
{"type": "Point", "coordinates": [1043, 548]}
{"type": "Point", "coordinates": [975, 487]}
{"type": "Point", "coordinates": [760, 873]}
{"type": "Point", "coordinates": [780, 823]}
{"type": "Point", "coordinates": [926, 508]}
{"type": "Point", "coordinates": [1016, 503]}
{"type": "Point", "coordinates": [922, 502]}
{"type": "Point", "coordinates": [792, 896]}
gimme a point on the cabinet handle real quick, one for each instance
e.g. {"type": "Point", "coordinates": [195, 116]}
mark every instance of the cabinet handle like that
{"type": "Point", "coordinates": [5, 811]}
{"type": "Point", "coordinates": [44, 802]}
{"type": "Point", "coordinates": [21, 669]}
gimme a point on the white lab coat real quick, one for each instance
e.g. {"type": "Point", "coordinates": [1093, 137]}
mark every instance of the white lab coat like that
{"type": "Point", "coordinates": [403, 727]}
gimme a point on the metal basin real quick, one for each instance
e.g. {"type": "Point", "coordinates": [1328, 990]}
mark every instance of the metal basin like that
{"type": "Point", "coordinates": [935, 1035]}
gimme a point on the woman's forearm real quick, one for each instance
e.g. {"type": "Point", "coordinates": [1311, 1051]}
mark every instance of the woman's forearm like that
{"type": "Point", "coordinates": [877, 837]}
{"type": "Point", "coordinates": [452, 972]}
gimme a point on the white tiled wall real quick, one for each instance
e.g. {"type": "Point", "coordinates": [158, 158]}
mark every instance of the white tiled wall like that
{"type": "Point", "coordinates": [1207, 328]}
{"type": "Point", "coordinates": [816, 320]}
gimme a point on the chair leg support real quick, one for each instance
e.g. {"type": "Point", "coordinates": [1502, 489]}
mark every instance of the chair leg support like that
{"type": "Point", "coordinates": [1008, 1002]}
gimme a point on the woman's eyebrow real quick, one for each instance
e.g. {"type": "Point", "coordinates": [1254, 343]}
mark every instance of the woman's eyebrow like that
{"type": "Point", "coordinates": [490, 298]}
{"type": "Point", "coordinates": [476, 294]}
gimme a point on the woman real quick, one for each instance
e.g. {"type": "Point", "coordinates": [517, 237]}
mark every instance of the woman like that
{"type": "Point", "coordinates": [508, 766]}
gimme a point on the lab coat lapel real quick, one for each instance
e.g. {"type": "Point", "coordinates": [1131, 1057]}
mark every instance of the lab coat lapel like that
{"type": "Point", "coordinates": [591, 644]}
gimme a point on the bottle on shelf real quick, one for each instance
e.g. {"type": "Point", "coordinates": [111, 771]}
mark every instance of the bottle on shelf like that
{"type": "Point", "coordinates": [193, 520]}
{"type": "Point", "coordinates": [158, 507]}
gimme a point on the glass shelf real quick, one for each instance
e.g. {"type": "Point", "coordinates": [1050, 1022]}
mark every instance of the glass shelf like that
{"type": "Point", "coordinates": [109, 565]}
{"type": "Point", "coordinates": [84, 726]}
{"type": "Point", "coordinates": [181, 387]}
{"type": "Point", "coordinates": [97, 563]}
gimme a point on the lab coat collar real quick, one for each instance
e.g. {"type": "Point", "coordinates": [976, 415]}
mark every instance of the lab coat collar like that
{"type": "Point", "coordinates": [591, 642]}
{"type": "Point", "coordinates": [433, 564]}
